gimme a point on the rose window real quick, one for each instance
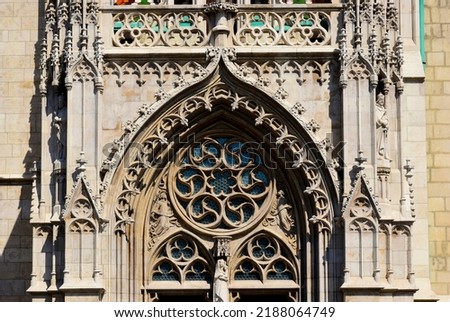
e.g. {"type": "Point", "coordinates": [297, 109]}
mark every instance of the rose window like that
{"type": "Point", "coordinates": [221, 183]}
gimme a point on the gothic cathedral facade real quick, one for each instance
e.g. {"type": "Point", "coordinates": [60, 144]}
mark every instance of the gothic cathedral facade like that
{"type": "Point", "coordinates": [229, 151]}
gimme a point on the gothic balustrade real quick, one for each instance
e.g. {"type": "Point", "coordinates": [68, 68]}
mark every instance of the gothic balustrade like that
{"type": "Point", "coordinates": [159, 25]}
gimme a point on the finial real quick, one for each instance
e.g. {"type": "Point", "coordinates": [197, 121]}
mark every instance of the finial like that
{"type": "Point", "coordinates": [360, 160]}
{"type": "Point", "coordinates": [81, 162]}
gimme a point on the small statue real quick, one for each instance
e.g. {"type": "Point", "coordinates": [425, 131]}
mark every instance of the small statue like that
{"type": "Point", "coordinates": [285, 219]}
{"type": "Point", "coordinates": [382, 127]}
{"type": "Point", "coordinates": [161, 217]}
{"type": "Point", "coordinates": [221, 293]}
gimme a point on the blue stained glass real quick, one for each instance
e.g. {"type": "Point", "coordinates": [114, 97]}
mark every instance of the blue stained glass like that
{"type": "Point", "coordinates": [198, 185]}
{"type": "Point", "coordinates": [280, 273]}
{"type": "Point", "coordinates": [197, 207]}
{"type": "Point", "coordinates": [233, 216]}
{"type": "Point", "coordinates": [263, 242]}
{"type": "Point", "coordinates": [235, 146]}
{"type": "Point", "coordinates": [260, 175]}
{"type": "Point", "coordinates": [258, 253]}
{"type": "Point", "coordinates": [212, 204]}
{"type": "Point", "coordinates": [247, 267]}
{"type": "Point", "coordinates": [223, 140]}
{"type": "Point", "coordinates": [176, 253]}
{"type": "Point", "coordinates": [257, 190]}
{"type": "Point", "coordinates": [235, 202]}
{"type": "Point", "coordinates": [165, 273]}
{"type": "Point", "coordinates": [165, 277]}
{"type": "Point", "coordinates": [198, 273]}
{"type": "Point", "coordinates": [165, 267]}
{"type": "Point", "coordinates": [247, 272]}
{"type": "Point", "coordinates": [181, 243]}
{"type": "Point", "coordinates": [246, 178]}
{"type": "Point", "coordinates": [198, 267]}
{"type": "Point", "coordinates": [213, 150]}
{"type": "Point", "coordinates": [248, 212]}
{"type": "Point", "coordinates": [208, 163]}
{"type": "Point", "coordinates": [222, 182]}
{"type": "Point", "coordinates": [198, 277]}
{"type": "Point", "coordinates": [197, 151]}
{"type": "Point", "coordinates": [246, 277]}
{"type": "Point", "coordinates": [231, 160]}
{"type": "Point", "coordinates": [207, 220]}
{"type": "Point", "coordinates": [280, 267]}
{"type": "Point", "coordinates": [187, 253]}
{"type": "Point", "coordinates": [262, 247]}
{"type": "Point", "coordinates": [187, 173]}
{"type": "Point", "coordinates": [184, 189]}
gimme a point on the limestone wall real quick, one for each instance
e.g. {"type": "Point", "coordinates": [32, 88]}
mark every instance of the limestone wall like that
{"type": "Point", "coordinates": [19, 139]}
{"type": "Point", "coordinates": [437, 44]}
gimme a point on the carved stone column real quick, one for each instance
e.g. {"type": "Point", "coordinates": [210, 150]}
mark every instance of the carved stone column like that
{"type": "Point", "coordinates": [222, 12]}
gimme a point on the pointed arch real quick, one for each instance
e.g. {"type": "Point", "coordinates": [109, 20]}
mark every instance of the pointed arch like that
{"type": "Point", "coordinates": [84, 69]}
{"type": "Point", "coordinates": [358, 67]}
{"type": "Point", "coordinates": [220, 103]}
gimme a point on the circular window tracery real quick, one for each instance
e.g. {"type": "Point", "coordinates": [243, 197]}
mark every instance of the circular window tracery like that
{"type": "Point", "coordinates": [221, 184]}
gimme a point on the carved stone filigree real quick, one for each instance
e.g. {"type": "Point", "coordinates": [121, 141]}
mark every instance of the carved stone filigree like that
{"type": "Point", "coordinates": [272, 73]}
{"type": "Point", "coordinates": [372, 45]}
{"type": "Point", "coordinates": [221, 184]}
{"type": "Point", "coordinates": [204, 102]}
{"type": "Point", "coordinates": [358, 70]}
{"type": "Point", "coordinates": [66, 41]}
{"type": "Point", "coordinates": [180, 259]}
{"type": "Point", "coordinates": [168, 75]}
{"type": "Point", "coordinates": [292, 28]}
{"type": "Point", "coordinates": [361, 203]}
{"type": "Point", "coordinates": [262, 258]}
{"type": "Point", "coordinates": [222, 247]}
{"type": "Point", "coordinates": [146, 29]}
{"type": "Point", "coordinates": [82, 205]}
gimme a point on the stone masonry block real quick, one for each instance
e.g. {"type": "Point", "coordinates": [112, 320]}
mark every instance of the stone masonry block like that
{"type": "Point", "coordinates": [438, 190]}
{"type": "Point", "coordinates": [442, 219]}
{"type": "Point", "coordinates": [442, 73]}
{"type": "Point", "coordinates": [441, 160]}
{"type": "Point", "coordinates": [436, 204]}
{"type": "Point", "coordinates": [439, 146]}
{"type": "Point", "coordinates": [440, 175]}
{"type": "Point", "coordinates": [434, 88]}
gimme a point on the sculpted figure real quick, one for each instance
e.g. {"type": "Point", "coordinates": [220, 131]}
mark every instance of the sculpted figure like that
{"type": "Point", "coordinates": [285, 219]}
{"type": "Point", "coordinates": [161, 216]}
{"type": "Point", "coordinates": [221, 293]}
{"type": "Point", "coordinates": [382, 127]}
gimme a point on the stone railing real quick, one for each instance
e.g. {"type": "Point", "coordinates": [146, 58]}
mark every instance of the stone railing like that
{"type": "Point", "coordinates": [291, 28]}
{"type": "Point", "coordinates": [198, 26]}
{"type": "Point", "coordinates": [148, 29]}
